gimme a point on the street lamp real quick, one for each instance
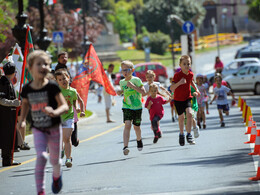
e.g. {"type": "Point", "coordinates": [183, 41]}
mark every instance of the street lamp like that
{"type": "Point", "coordinates": [86, 43]}
{"type": "Point", "coordinates": [43, 40]}
{"type": "Point", "coordinates": [19, 30]}
{"type": "Point", "coordinates": [169, 22]}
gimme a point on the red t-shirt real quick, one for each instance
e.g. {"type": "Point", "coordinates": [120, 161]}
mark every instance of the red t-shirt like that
{"type": "Point", "coordinates": [156, 108]}
{"type": "Point", "coordinates": [182, 92]}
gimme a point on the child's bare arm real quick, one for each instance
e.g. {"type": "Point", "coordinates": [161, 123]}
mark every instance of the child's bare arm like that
{"type": "Point", "coordinates": [138, 89]}
{"type": "Point", "coordinates": [166, 91]}
{"type": "Point", "coordinates": [24, 112]}
{"type": "Point", "coordinates": [81, 104]}
{"type": "Point", "coordinates": [175, 85]}
{"type": "Point", "coordinates": [213, 99]}
{"type": "Point", "coordinates": [62, 107]}
{"type": "Point", "coordinates": [149, 105]}
{"type": "Point", "coordinates": [195, 87]}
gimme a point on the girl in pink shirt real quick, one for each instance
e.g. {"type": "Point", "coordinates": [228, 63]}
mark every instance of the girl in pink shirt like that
{"type": "Point", "coordinates": [218, 65]}
{"type": "Point", "coordinates": [154, 105]}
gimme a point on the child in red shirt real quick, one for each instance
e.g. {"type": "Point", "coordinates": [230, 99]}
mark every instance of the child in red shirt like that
{"type": "Point", "coordinates": [182, 97]}
{"type": "Point", "coordinates": [154, 104]}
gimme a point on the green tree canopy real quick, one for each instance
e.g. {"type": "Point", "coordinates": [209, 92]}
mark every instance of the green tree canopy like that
{"type": "Point", "coordinates": [155, 12]}
{"type": "Point", "coordinates": [254, 9]}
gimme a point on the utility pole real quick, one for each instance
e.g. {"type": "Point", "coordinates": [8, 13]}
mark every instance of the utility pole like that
{"type": "Point", "coordinates": [43, 40]}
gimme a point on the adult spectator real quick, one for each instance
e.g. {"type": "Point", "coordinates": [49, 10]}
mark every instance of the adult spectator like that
{"type": "Point", "coordinates": [62, 60]}
{"type": "Point", "coordinates": [8, 104]}
{"type": "Point", "coordinates": [218, 65]}
{"type": "Point", "coordinates": [107, 97]}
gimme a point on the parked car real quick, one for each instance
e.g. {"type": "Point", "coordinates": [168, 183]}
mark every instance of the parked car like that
{"type": "Point", "coordinates": [232, 67]}
{"type": "Point", "coordinates": [252, 51]}
{"type": "Point", "coordinates": [247, 78]}
{"type": "Point", "coordinates": [141, 69]}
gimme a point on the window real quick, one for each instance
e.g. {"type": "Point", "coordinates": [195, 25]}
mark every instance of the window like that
{"type": "Point", "coordinates": [159, 67]}
{"type": "Point", "coordinates": [232, 66]}
{"type": "Point", "coordinates": [243, 71]}
{"type": "Point", "coordinates": [151, 67]}
{"type": "Point", "coordinates": [140, 69]}
{"type": "Point", "coordinates": [253, 70]}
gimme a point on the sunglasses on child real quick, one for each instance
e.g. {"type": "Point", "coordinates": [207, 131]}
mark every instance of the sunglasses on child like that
{"type": "Point", "coordinates": [126, 70]}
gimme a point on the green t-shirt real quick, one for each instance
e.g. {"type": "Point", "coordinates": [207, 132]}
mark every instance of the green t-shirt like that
{"type": "Point", "coordinates": [194, 103]}
{"type": "Point", "coordinates": [70, 95]}
{"type": "Point", "coordinates": [132, 99]}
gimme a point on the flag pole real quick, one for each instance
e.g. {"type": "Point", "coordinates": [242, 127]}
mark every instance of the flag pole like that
{"type": "Point", "coordinates": [20, 88]}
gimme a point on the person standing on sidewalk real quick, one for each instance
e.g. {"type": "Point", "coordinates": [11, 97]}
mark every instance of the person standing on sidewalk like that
{"type": "Point", "coordinates": [133, 89]}
{"type": "Point", "coordinates": [182, 97]}
{"type": "Point", "coordinates": [107, 97]}
{"type": "Point", "coordinates": [8, 104]}
{"type": "Point", "coordinates": [47, 103]}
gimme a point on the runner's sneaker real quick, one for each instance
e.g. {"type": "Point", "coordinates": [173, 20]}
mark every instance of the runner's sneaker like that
{"type": "Point", "coordinates": [182, 140]}
{"type": "Point", "coordinates": [159, 134]}
{"type": "Point", "coordinates": [68, 163]}
{"type": "Point", "coordinates": [126, 150]}
{"type": "Point", "coordinates": [190, 139]}
{"type": "Point", "coordinates": [173, 120]}
{"type": "Point", "coordinates": [204, 126]}
{"type": "Point", "coordinates": [196, 131]}
{"type": "Point", "coordinates": [222, 124]}
{"type": "Point", "coordinates": [140, 145]}
{"type": "Point", "coordinates": [56, 185]}
{"type": "Point", "coordinates": [155, 139]}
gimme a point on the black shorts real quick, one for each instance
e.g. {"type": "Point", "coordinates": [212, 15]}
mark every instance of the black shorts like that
{"type": "Point", "coordinates": [133, 115]}
{"type": "Point", "coordinates": [182, 105]}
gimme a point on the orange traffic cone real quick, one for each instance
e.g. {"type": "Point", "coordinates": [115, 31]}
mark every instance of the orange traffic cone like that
{"type": "Point", "coordinates": [257, 177]}
{"type": "Point", "coordinates": [252, 136]}
{"type": "Point", "coordinates": [250, 124]}
{"type": "Point", "coordinates": [257, 144]}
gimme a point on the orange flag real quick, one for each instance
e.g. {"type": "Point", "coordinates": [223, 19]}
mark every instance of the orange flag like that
{"type": "Point", "coordinates": [91, 69]}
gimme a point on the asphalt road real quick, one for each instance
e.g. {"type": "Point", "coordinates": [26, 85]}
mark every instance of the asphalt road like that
{"type": "Point", "coordinates": [218, 164]}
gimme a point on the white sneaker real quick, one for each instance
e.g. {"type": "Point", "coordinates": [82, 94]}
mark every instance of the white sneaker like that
{"type": "Point", "coordinates": [126, 150]}
{"type": "Point", "coordinates": [196, 131]}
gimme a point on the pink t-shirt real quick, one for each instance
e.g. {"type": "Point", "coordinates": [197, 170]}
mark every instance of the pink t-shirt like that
{"type": "Point", "coordinates": [156, 108]}
{"type": "Point", "coordinates": [219, 65]}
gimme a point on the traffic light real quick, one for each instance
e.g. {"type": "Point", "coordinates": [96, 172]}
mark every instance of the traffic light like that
{"type": "Point", "coordinates": [190, 46]}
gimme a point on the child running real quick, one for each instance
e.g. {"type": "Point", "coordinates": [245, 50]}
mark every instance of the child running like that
{"type": "Point", "coordinates": [47, 103]}
{"type": "Point", "coordinates": [173, 110]}
{"type": "Point", "coordinates": [133, 89]}
{"type": "Point", "coordinates": [182, 97]}
{"type": "Point", "coordinates": [206, 99]}
{"type": "Point", "coordinates": [154, 104]}
{"type": "Point", "coordinates": [150, 76]}
{"type": "Point", "coordinates": [201, 117]}
{"type": "Point", "coordinates": [220, 94]}
{"type": "Point", "coordinates": [70, 95]}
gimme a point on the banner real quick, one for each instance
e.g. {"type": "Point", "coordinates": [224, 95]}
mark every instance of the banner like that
{"type": "Point", "coordinates": [91, 69]}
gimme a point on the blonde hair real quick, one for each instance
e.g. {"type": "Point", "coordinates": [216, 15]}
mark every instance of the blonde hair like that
{"type": "Point", "coordinates": [184, 57]}
{"type": "Point", "coordinates": [38, 54]}
{"type": "Point", "coordinates": [150, 72]}
{"type": "Point", "coordinates": [128, 63]}
{"type": "Point", "coordinates": [153, 86]}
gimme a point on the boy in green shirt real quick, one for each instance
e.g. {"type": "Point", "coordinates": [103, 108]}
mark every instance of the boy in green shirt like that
{"type": "Point", "coordinates": [70, 95]}
{"type": "Point", "coordinates": [133, 89]}
{"type": "Point", "coordinates": [194, 107]}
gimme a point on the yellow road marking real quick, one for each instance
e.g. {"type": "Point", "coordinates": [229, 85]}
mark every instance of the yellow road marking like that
{"type": "Point", "coordinates": [88, 139]}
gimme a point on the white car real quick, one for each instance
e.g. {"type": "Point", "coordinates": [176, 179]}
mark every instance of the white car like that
{"type": "Point", "coordinates": [247, 78]}
{"type": "Point", "coordinates": [232, 67]}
